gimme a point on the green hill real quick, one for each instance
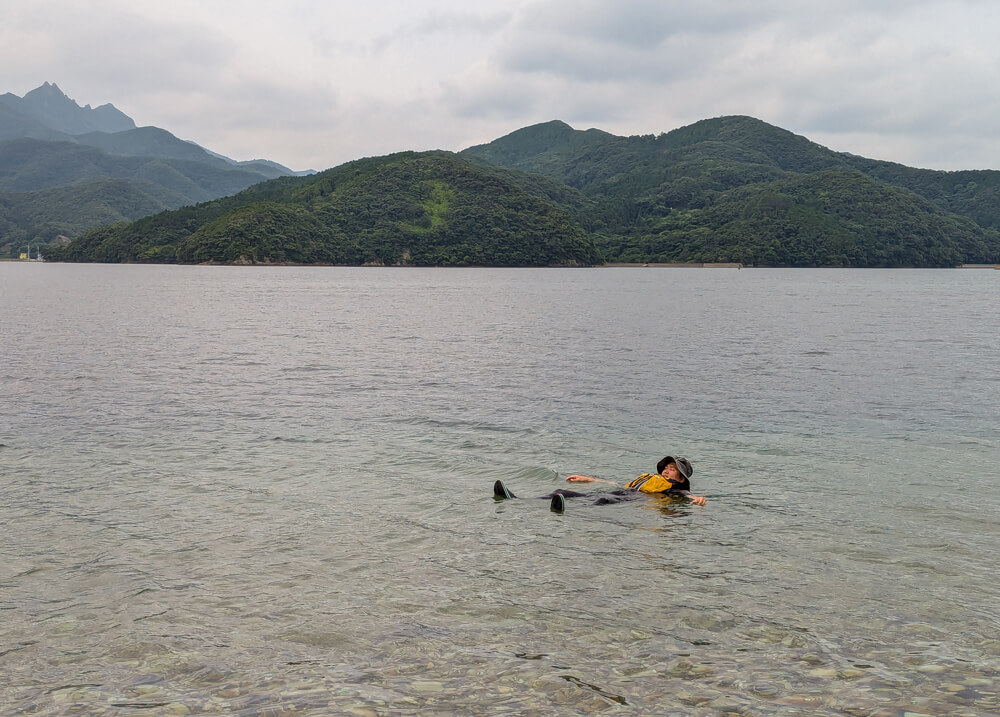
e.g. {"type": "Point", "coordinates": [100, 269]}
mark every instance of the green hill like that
{"type": "Point", "coordinates": [416, 209]}
{"type": "Point", "coordinates": [541, 148]}
{"type": "Point", "coordinates": [694, 194]}
{"type": "Point", "coordinates": [730, 189]}
{"type": "Point", "coordinates": [65, 169]}
{"type": "Point", "coordinates": [831, 218]}
{"type": "Point", "coordinates": [70, 211]}
{"type": "Point", "coordinates": [51, 189]}
{"type": "Point", "coordinates": [29, 164]}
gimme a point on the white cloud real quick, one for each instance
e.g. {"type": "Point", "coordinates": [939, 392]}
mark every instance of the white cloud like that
{"type": "Point", "coordinates": [314, 84]}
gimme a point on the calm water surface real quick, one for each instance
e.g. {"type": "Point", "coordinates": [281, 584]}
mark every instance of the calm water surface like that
{"type": "Point", "coordinates": [268, 491]}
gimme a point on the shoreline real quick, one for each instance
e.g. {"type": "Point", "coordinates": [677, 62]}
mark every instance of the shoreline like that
{"type": "Point", "coordinates": [609, 265]}
{"type": "Point", "coordinates": [674, 265]}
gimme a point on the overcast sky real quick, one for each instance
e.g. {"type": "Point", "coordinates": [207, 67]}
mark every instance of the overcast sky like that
{"type": "Point", "coordinates": [313, 83]}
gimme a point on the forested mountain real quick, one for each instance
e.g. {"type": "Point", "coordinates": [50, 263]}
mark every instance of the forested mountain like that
{"type": "Point", "coordinates": [738, 189]}
{"type": "Point", "coordinates": [75, 207]}
{"type": "Point", "coordinates": [730, 189]}
{"type": "Point", "coordinates": [65, 169]}
{"type": "Point", "coordinates": [432, 208]}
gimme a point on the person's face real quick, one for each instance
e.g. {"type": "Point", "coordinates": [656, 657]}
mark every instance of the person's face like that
{"type": "Point", "coordinates": [670, 472]}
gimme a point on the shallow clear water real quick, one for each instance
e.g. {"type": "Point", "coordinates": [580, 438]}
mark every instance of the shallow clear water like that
{"type": "Point", "coordinates": [268, 491]}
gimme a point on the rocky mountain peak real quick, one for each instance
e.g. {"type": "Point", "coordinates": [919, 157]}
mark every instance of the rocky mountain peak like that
{"type": "Point", "coordinates": [50, 106]}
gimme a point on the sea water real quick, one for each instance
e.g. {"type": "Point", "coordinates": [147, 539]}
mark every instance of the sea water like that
{"type": "Point", "coordinates": [247, 490]}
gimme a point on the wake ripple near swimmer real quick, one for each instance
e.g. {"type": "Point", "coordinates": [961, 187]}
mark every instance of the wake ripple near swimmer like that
{"type": "Point", "coordinates": [293, 439]}
{"type": "Point", "coordinates": [455, 423]}
{"type": "Point", "coordinates": [311, 368]}
{"type": "Point", "coordinates": [234, 359]}
{"type": "Point", "coordinates": [532, 475]}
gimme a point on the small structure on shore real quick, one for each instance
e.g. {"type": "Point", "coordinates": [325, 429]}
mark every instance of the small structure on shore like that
{"type": "Point", "coordinates": [26, 254]}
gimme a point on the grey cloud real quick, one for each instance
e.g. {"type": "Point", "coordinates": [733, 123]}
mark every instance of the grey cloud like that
{"type": "Point", "coordinates": [447, 24]}
{"type": "Point", "coordinates": [814, 68]}
{"type": "Point", "coordinates": [460, 23]}
{"type": "Point", "coordinates": [578, 60]}
{"type": "Point", "coordinates": [498, 99]}
{"type": "Point", "coordinates": [600, 41]}
{"type": "Point", "coordinates": [126, 52]}
{"type": "Point", "coordinates": [911, 77]}
{"type": "Point", "coordinates": [640, 24]}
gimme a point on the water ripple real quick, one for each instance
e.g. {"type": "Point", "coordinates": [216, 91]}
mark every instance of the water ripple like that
{"type": "Point", "coordinates": [210, 512]}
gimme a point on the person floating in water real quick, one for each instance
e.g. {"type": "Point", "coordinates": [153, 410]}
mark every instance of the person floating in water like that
{"type": "Point", "coordinates": [671, 479]}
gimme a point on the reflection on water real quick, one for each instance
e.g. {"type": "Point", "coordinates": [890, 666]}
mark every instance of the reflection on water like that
{"type": "Point", "coordinates": [250, 491]}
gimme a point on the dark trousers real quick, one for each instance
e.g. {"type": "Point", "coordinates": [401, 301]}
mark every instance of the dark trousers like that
{"type": "Point", "coordinates": [603, 498]}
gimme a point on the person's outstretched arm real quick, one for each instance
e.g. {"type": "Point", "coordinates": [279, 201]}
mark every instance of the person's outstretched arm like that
{"type": "Point", "coordinates": [587, 479]}
{"type": "Point", "coordinates": [696, 499]}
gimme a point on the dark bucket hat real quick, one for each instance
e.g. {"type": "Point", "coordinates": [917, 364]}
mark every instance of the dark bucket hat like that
{"type": "Point", "coordinates": [684, 466]}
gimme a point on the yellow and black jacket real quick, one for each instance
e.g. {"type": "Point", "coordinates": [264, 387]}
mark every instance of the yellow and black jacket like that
{"type": "Point", "coordinates": [652, 483]}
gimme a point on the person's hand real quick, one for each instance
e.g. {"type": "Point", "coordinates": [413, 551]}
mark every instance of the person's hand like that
{"type": "Point", "coordinates": [698, 499]}
{"type": "Point", "coordinates": [580, 479]}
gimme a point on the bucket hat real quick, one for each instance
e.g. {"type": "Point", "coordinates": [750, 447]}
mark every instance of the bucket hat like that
{"type": "Point", "coordinates": [684, 466]}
